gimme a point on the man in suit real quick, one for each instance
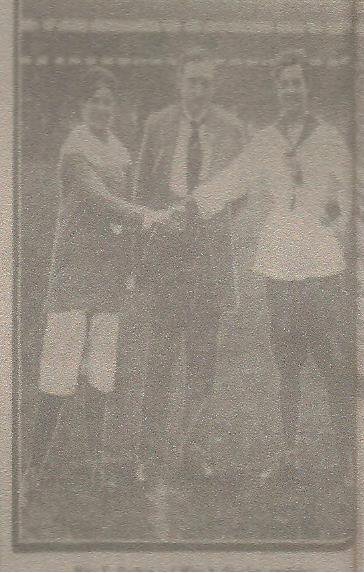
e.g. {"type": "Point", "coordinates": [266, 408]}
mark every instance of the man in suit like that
{"type": "Point", "coordinates": [188, 273]}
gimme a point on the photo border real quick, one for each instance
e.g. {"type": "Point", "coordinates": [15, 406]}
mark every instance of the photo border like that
{"type": "Point", "coordinates": [21, 547]}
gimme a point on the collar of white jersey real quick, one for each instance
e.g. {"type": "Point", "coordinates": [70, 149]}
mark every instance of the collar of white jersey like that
{"type": "Point", "coordinates": [309, 125]}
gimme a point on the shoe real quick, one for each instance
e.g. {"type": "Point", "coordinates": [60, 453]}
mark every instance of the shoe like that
{"type": "Point", "coordinates": [140, 470]}
{"type": "Point", "coordinates": [158, 496]}
{"type": "Point", "coordinates": [98, 470]}
{"type": "Point", "coordinates": [198, 464]}
{"type": "Point", "coordinates": [344, 472]}
{"type": "Point", "coordinates": [30, 484]}
{"type": "Point", "coordinates": [282, 471]}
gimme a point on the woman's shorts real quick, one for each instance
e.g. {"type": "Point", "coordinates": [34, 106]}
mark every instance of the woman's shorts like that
{"type": "Point", "coordinates": [74, 342]}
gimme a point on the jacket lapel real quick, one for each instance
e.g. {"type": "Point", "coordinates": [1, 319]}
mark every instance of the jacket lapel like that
{"type": "Point", "coordinates": [167, 145]}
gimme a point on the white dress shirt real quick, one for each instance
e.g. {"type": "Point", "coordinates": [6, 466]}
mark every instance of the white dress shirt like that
{"type": "Point", "coordinates": [294, 243]}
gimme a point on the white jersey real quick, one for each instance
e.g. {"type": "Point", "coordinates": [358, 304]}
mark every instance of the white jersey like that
{"type": "Point", "coordinates": [294, 242]}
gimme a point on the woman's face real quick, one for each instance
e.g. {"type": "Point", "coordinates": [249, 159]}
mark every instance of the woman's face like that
{"type": "Point", "coordinates": [98, 111]}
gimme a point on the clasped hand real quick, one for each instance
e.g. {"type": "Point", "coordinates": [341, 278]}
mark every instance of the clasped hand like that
{"type": "Point", "coordinates": [172, 218]}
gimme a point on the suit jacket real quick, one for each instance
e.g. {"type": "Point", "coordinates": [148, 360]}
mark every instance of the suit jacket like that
{"type": "Point", "coordinates": [188, 271]}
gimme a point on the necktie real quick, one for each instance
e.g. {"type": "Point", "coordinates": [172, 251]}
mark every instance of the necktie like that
{"type": "Point", "coordinates": [309, 124]}
{"type": "Point", "coordinates": [296, 175]}
{"type": "Point", "coordinates": [194, 157]}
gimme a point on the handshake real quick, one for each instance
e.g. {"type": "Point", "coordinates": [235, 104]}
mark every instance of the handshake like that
{"type": "Point", "coordinates": [172, 219]}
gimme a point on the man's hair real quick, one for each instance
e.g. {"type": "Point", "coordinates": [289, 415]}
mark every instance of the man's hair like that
{"type": "Point", "coordinates": [288, 59]}
{"type": "Point", "coordinates": [97, 77]}
{"type": "Point", "coordinates": [192, 54]}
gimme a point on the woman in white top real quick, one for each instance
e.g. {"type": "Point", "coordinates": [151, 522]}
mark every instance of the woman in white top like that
{"type": "Point", "coordinates": [303, 164]}
{"type": "Point", "coordinates": [90, 266]}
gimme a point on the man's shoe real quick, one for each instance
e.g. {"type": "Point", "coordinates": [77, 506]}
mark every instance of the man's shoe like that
{"type": "Point", "coordinates": [140, 470]}
{"type": "Point", "coordinates": [283, 471]}
{"type": "Point", "coordinates": [198, 464]}
{"type": "Point", "coordinates": [158, 496]}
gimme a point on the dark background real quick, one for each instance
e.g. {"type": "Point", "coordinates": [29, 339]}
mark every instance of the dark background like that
{"type": "Point", "coordinates": [246, 412]}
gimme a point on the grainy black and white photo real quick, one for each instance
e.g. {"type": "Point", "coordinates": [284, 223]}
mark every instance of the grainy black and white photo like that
{"type": "Point", "coordinates": [186, 275]}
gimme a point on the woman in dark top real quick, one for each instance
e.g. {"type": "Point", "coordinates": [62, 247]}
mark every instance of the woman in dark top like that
{"type": "Point", "coordinates": [91, 263]}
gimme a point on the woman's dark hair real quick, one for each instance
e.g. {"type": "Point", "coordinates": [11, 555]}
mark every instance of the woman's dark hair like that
{"type": "Point", "coordinates": [288, 59]}
{"type": "Point", "coordinates": [95, 78]}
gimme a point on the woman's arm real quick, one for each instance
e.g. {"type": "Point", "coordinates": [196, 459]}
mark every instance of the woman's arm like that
{"type": "Point", "coordinates": [343, 182]}
{"type": "Point", "coordinates": [229, 186]}
{"type": "Point", "coordinates": [78, 174]}
{"type": "Point", "coordinates": [340, 183]}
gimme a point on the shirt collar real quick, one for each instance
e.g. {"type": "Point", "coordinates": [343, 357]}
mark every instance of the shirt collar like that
{"type": "Point", "coordinates": [309, 125]}
{"type": "Point", "coordinates": [283, 120]}
{"type": "Point", "coordinates": [92, 135]}
{"type": "Point", "coordinates": [199, 120]}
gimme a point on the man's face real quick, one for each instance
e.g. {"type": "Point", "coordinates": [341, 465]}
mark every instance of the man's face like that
{"type": "Point", "coordinates": [292, 90]}
{"type": "Point", "coordinates": [196, 86]}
